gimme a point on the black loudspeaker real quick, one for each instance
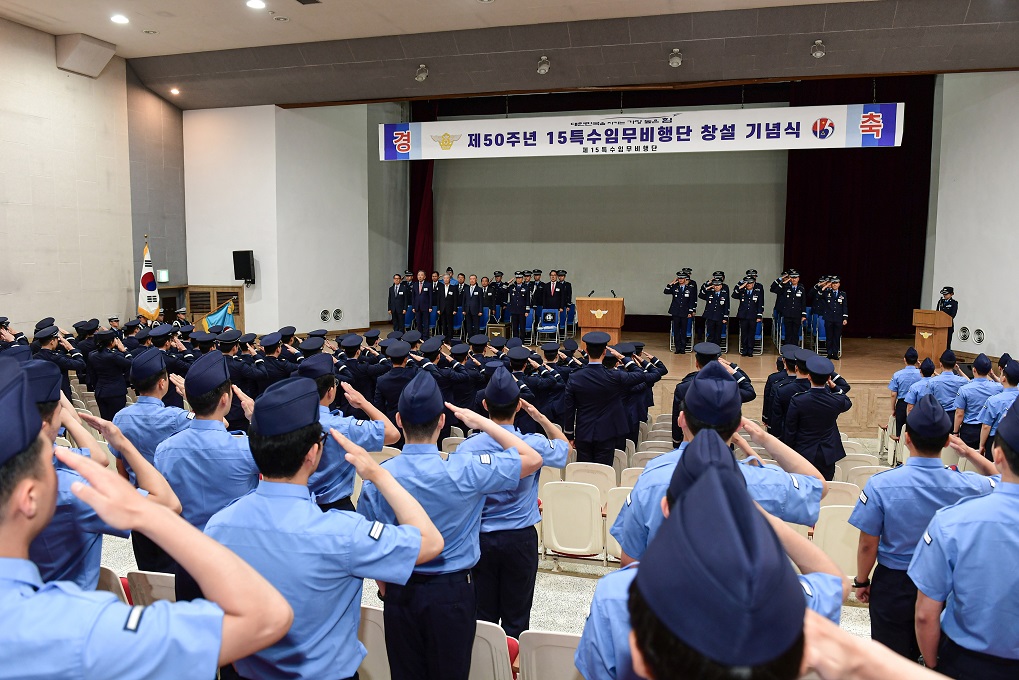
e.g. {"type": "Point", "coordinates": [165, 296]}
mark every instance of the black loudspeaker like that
{"type": "Point", "coordinates": [244, 265]}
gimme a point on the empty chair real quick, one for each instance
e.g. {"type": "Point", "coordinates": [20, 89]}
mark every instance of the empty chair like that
{"type": "Point", "coordinates": [548, 474]}
{"type": "Point", "coordinates": [449, 444]}
{"type": "Point", "coordinates": [490, 656]}
{"type": "Point", "coordinates": [631, 448]}
{"type": "Point", "coordinates": [656, 445]}
{"type": "Point", "coordinates": [629, 476]}
{"type": "Point", "coordinates": [853, 447]}
{"type": "Point", "coordinates": [840, 476]}
{"type": "Point", "coordinates": [601, 476]}
{"type": "Point", "coordinates": [620, 461]}
{"type": "Point", "coordinates": [841, 493]}
{"type": "Point", "coordinates": [149, 586]}
{"type": "Point", "coordinates": [548, 656]}
{"type": "Point", "coordinates": [860, 474]}
{"type": "Point", "coordinates": [356, 493]}
{"type": "Point", "coordinates": [110, 582]}
{"type": "Point", "coordinates": [837, 537]}
{"type": "Point", "coordinates": [455, 431]}
{"type": "Point", "coordinates": [385, 454]}
{"type": "Point", "coordinates": [950, 456]}
{"type": "Point", "coordinates": [617, 496]}
{"type": "Point", "coordinates": [664, 418]}
{"type": "Point", "coordinates": [62, 441]}
{"type": "Point", "coordinates": [641, 458]}
{"type": "Point", "coordinates": [372, 634]}
{"type": "Point", "coordinates": [854, 459]}
{"type": "Point", "coordinates": [571, 522]}
{"type": "Point", "coordinates": [801, 529]}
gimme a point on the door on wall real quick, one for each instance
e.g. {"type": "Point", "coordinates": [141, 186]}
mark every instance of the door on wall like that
{"type": "Point", "coordinates": [202, 300]}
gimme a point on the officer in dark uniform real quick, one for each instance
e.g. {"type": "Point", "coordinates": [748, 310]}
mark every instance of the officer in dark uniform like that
{"type": "Point", "coordinates": [716, 310]}
{"type": "Point", "coordinates": [682, 307]}
{"type": "Point", "coordinates": [500, 287]}
{"type": "Point", "coordinates": [751, 310]}
{"type": "Point", "coordinates": [110, 367]}
{"type": "Point", "coordinates": [114, 322]}
{"type": "Point", "coordinates": [799, 381]}
{"type": "Point", "coordinates": [488, 295]}
{"type": "Point", "coordinates": [544, 384]}
{"type": "Point", "coordinates": [791, 305]}
{"type": "Point", "coordinates": [836, 315]}
{"type": "Point", "coordinates": [705, 353]}
{"type": "Point", "coordinates": [752, 274]}
{"type": "Point", "coordinates": [388, 387]}
{"type": "Point", "coordinates": [518, 304]}
{"type": "Point", "coordinates": [177, 360]}
{"type": "Point", "coordinates": [707, 285]}
{"type": "Point", "coordinates": [86, 344]}
{"type": "Point", "coordinates": [242, 374]}
{"type": "Point", "coordinates": [537, 290]}
{"type": "Point", "coordinates": [567, 288]}
{"type": "Point", "coordinates": [811, 426]}
{"type": "Point", "coordinates": [472, 301]}
{"type": "Point", "coordinates": [288, 344]}
{"type": "Point", "coordinates": [786, 365]}
{"type": "Point", "coordinates": [129, 335]}
{"type": "Point", "coordinates": [398, 300]}
{"type": "Point", "coordinates": [276, 367]}
{"type": "Point", "coordinates": [421, 294]}
{"type": "Point", "coordinates": [56, 348]}
{"type": "Point", "coordinates": [950, 306]}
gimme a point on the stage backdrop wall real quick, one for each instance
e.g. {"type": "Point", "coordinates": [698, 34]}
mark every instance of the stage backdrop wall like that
{"type": "Point", "coordinates": [976, 229]}
{"type": "Point", "coordinates": [626, 223]}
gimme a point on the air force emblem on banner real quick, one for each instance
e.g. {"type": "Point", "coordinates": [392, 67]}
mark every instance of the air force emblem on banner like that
{"type": "Point", "coordinates": [446, 140]}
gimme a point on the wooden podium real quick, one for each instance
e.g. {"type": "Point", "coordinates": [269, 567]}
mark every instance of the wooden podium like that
{"type": "Point", "coordinates": [601, 314]}
{"type": "Point", "coordinates": [931, 333]}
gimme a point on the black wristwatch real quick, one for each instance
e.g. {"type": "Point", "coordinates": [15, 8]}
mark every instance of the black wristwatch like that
{"type": "Point", "coordinates": [857, 584]}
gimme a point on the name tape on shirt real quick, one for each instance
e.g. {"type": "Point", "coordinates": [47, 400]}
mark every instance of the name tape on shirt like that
{"type": "Point", "coordinates": [376, 531]}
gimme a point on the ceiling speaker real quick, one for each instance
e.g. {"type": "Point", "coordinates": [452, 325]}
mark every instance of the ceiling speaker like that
{"type": "Point", "coordinates": [83, 54]}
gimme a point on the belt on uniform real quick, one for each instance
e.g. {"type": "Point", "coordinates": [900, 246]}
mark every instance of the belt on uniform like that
{"type": "Point", "coordinates": [463, 576]}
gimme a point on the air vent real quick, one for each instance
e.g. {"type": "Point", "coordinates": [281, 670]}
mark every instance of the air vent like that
{"type": "Point", "coordinates": [324, 315]}
{"type": "Point", "coordinates": [337, 314]}
{"type": "Point", "coordinates": [964, 333]}
{"type": "Point", "coordinates": [978, 336]}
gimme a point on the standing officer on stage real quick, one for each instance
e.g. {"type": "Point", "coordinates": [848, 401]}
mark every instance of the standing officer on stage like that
{"type": "Point", "coordinates": [398, 300]}
{"type": "Point", "coordinates": [490, 297]}
{"type": "Point", "coordinates": [509, 543]}
{"type": "Point", "coordinates": [950, 306]}
{"type": "Point", "coordinates": [970, 401]}
{"type": "Point", "coordinates": [791, 305]}
{"type": "Point", "coordinates": [893, 510]}
{"type": "Point", "coordinates": [567, 288]}
{"type": "Point", "coordinates": [964, 569]}
{"type": "Point", "coordinates": [836, 315]}
{"type": "Point", "coordinates": [716, 310]}
{"type": "Point", "coordinates": [752, 274]}
{"type": "Point", "coordinates": [518, 303]}
{"type": "Point", "coordinates": [537, 289]}
{"type": "Point", "coordinates": [500, 288]}
{"type": "Point", "coordinates": [447, 299]}
{"type": "Point", "coordinates": [423, 303]}
{"type": "Point", "coordinates": [718, 274]}
{"type": "Point", "coordinates": [432, 620]}
{"type": "Point", "coordinates": [682, 307]}
{"type": "Point", "coordinates": [811, 423]}
{"type": "Point", "coordinates": [751, 311]}
{"type": "Point", "coordinates": [472, 301]}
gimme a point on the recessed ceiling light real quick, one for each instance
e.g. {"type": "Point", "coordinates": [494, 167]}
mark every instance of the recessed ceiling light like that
{"type": "Point", "coordinates": [281, 18]}
{"type": "Point", "coordinates": [149, 31]}
{"type": "Point", "coordinates": [255, 4]}
{"type": "Point", "coordinates": [486, 2]}
{"type": "Point", "coordinates": [175, 91]}
{"type": "Point", "coordinates": [119, 19]}
{"type": "Point", "coordinates": [543, 66]}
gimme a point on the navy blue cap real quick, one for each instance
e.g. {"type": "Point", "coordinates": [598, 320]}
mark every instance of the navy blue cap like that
{"type": "Point", "coordinates": [286, 406]}
{"type": "Point", "coordinates": [187, 329]}
{"type": "Point", "coordinates": [394, 335]}
{"type": "Point", "coordinates": [206, 374]}
{"type": "Point", "coordinates": [44, 380]}
{"type": "Point", "coordinates": [288, 331]}
{"type": "Point", "coordinates": [927, 367]}
{"type": "Point", "coordinates": [550, 347]}
{"type": "Point", "coordinates": [738, 602]}
{"type": "Point", "coordinates": [713, 396]}
{"type": "Point", "coordinates": [1003, 361]}
{"type": "Point", "coordinates": [316, 366]}
{"type": "Point", "coordinates": [202, 337]}
{"type": "Point", "coordinates": [20, 353]}
{"type": "Point", "coordinates": [570, 345]}
{"type": "Point", "coordinates": [147, 363]}
{"type": "Point", "coordinates": [819, 365]}
{"type": "Point", "coordinates": [421, 400]}
{"type": "Point", "coordinates": [1011, 371]}
{"type": "Point", "coordinates": [497, 342]}
{"type": "Point", "coordinates": [948, 290]}
{"type": "Point", "coordinates": [133, 323]}
{"type": "Point", "coordinates": [460, 350]}
{"type": "Point", "coordinates": [493, 365]}
{"type": "Point", "coordinates": [928, 418]}
{"type": "Point", "coordinates": [948, 357]}
{"type": "Point", "coordinates": [79, 325]}
{"type": "Point", "coordinates": [104, 336]}
{"type": "Point", "coordinates": [317, 333]}
{"type": "Point", "coordinates": [352, 341]}
{"type": "Point", "coordinates": [372, 334]}
{"type": "Point", "coordinates": [982, 364]}
{"type": "Point", "coordinates": [596, 338]}
{"type": "Point", "coordinates": [707, 349]}
{"type": "Point", "coordinates": [19, 418]}
{"type": "Point", "coordinates": [398, 350]}
{"type": "Point", "coordinates": [789, 352]}
{"type": "Point", "coordinates": [911, 354]}
{"type": "Point", "coordinates": [479, 340]}
{"type": "Point", "coordinates": [245, 339]}
{"type": "Point", "coordinates": [47, 332]}
{"type": "Point", "coordinates": [161, 330]}
{"type": "Point", "coordinates": [502, 388]}
{"type": "Point", "coordinates": [229, 337]}
{"type": "Point", "coordinates": [519, 354]}
{"type": "Point", "coordinates": [707, 450]}
{"type": "Point", "coordinates": [411, 337]}
{"type": "Point", "coordinates": [216, 330]}
{"type": "Point", "coordinates": [1008, 428]}
{"type": "Point", "coordinates": [312, 344]}
{"type": "Point", "coordinates": [514, 342]}
{"type": "Point", "coordinates": [625, 348]}
{"type": "Point", "coordinates": [802, 354]}
{"type": "Point", "coordinates": [638, 345]}
{"type": "Point", "coordinates": [431, 345]}
{"type": "Point", "coordinates": [45, 323]}
{"type": "Point", "coordinates": [271, 339]}
{"type": "Point", "coordinates": [386, 343]}
{"type": "Point", "coordinates": [92, 325]}
{"type": "Point", "coordinates": [142, 334]}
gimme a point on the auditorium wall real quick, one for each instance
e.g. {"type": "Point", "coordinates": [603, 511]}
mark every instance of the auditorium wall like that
{"type": "Point", "coordinates": [623, 223]}
{"type": "Point", "coordinates": [65, 202]}
{"type": "Point", "coordinates": [976, 226]}
{"type": "Point", "coordinates": [388, 211]}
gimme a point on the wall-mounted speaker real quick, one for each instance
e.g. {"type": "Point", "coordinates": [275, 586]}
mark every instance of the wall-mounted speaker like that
{"type": "Point", "coordinates": [244, 266]}
{"type": "Point", "coordinates": [83, 54]}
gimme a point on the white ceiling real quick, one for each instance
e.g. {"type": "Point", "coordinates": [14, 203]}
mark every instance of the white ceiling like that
{"type": "Point", "coordinates": [203, 25]}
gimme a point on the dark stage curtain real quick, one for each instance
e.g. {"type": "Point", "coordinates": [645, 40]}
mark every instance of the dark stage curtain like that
{"type": "Point", "coordinates": [862, 213]}
{"type": "Point", "coordinates": [421, 233]}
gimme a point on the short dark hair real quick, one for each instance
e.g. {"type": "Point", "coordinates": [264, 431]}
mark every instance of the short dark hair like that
{"type": "Point", "coordinates": [502, 411]}
{"type": "Point", "coordinates": [1011, 455]}
{"type": "Point", "coordinates": [596, 351]}
{"type": "Point", "coordinates": [281, 456]}
{"type": "Point", "coordinates": [912, 361]}
{"type": "Point", "coordinates": [950, 364]}
{"type": "Point", "coordinates": [801, 366]}
{"type": "Point", "coordinates": [47, 408]}
{"type": "Point", "coordinates": [419, 431]}
{"type": "Point", "coordinates": [926, 372]}
{"type": "Point", "coordinates": [704, 359]}
{"type": "Point", "coordinates": [23, 464]}
{"type": "Point", "coordinates": [324, 384]}
{"type": "Point", "coordinates": [790, 365]}
{"type": "Point", "coordinates": [610, 361]}
{"type": "Point", "coordinates": [725, 430]}
{"type": "Point", "coordinates": [517, 364]}
{"type": "Point", "coordinates": [669, 658]}
{"type": "Point", "coordinates": [146, 385]}
{"type": "Point", "coordinates": [927, 445]}
{"type": "Point", "coordinates": [160, 340]}
{"type": "Point", "coordinates": [819, 378]}
{"type": "Point", "coordinates": [205, 404]}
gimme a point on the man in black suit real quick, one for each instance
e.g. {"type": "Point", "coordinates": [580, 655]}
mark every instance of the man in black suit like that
{"type": "Point", "coordinates": [490, 296]}
{"type": "Point", "coordinates": [424, 303]}
{"type": "Point", "coordinates": [811, 424]}
{"type": "Point", "coordinates": [472, 301]}
{"type": "Point", "coordinates": [447, 299]}
{"type": "Point", "coordinates": [399, 297]}
{"type": "Point", "coordinates": [553, 292]}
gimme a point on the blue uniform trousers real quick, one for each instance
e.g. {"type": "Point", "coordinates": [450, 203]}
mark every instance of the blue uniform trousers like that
{"type": "Point", "coordinates": [504, 577]}
{"type": "Point", "coordinates": [963, 664]}
{"type": "Point", "coordinates": [892, 611]}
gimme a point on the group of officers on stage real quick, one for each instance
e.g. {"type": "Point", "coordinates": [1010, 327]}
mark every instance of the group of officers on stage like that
{"type": "Point", "coordinates": [263, 463]}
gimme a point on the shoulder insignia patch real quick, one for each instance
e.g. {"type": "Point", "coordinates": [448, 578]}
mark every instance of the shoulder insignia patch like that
{"type": "Point", "coordinates": [863, 498]}
{"type": "Point", "coordinates": [796, 482]}
{"type": "Point", "coordinates": [628, 499]}
{"type": "Point", "coordinates": [134, 619]}
{"type": "Point", "coordinates": [806, 589]}
{"type": "Point", "coordinates": [486, 458]}
{"type": "Point", "coordinates": [191, 415]}
{"type": "Point", "coordinates": [376, 531]}
{"type": "Point", "coordinates": [927, 537]}
{"type": "Point", "coordinates": [993, 485]}
{"type": "Point", "coordinates": [360, 422]}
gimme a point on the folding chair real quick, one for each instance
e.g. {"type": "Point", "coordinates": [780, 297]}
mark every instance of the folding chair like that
{"type": "Point", "coordinates": [663, 418]}
{"type": "Point", "coordinates": [490, 656]}
{"type": "Point", "coordinates": [529, 328]}
{"type": "Point", "coordinates": [616, 498]}
{"type": "Point", "coordinates": [571, 320]}
{"type": "Point", "coordinates": [548, 327]}
{"type": "Point", "coordinates": [546, 475]}
{"type": "Point", "coordinates": [839, 475]}
{"type": "Point", "coordinates": [689, 333]}
{"type": "Point", "coordinates": [629, 476]}
{"type": "Point", "coordinates": [548, 656]}
{"type": "Point", "coordinates": [449, 444]}
{"type": "Point", "coordinates": [820, 336]}
{"type": "Point", "coordinates": [841, 493]}
{"type": "Point", "coordinates": [385, 454]}
{"type": "Point", "coordinates": [759, 338]}
{"type": "Point", "coordinates": [861, 473]}
{"type": "Point", "coordinates": [631, 448]}
{"type": "Point", "coordinates": [62, 441]}
{"type": "Point", "coordinates": [837, 537]}
{"type": "Point", "coordinates": [853, 460]}
{"type": "Point", "coordinates": [601, 476]}
{"type": "Point", "coordinates": [111, 583]}
{"type": "Point", "coordinates": [149, 586]}
{"type": "Point", "coordinates": [853, 447]}
{"type": "Point", "coordinates": [563, 322]}
{"type": "Point", "coordinates": [458, 322]}
{"type": "Point", "coordinates": [725, 337]}
{"type": "Point", "coordinates": [641, 458]}
{"type": "Point", "coordinates": [571, 522]}
{"type": "Point", "coordinates": [483, 322]}
{"type": "Point", "coordinates": [620, 461]}
{"type": "Point", "coordinates": [372, 634]}
{"type": "Point", "coordinates": [408, 318]}
{"type": "Point", "coordinates": [433, 320]}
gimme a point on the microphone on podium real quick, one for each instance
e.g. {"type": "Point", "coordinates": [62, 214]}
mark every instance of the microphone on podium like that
{"type": "Point", "coordinates": [590, 294]}
{"type": "Point", "coordinates": [613, 292]}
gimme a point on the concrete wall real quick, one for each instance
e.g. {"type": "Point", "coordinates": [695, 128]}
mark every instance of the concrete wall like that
{"type": "Point", "coordinates": [388, 211]}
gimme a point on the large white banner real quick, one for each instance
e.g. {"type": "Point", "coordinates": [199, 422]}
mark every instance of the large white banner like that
{"type": "Point", "coordinates": [807, 127]}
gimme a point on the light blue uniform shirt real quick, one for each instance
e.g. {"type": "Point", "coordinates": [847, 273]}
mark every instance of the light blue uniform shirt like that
{"type": "Point", "coordinates": [451, 491]}
{"type": "Point", "coordinates": [897, 505]}
{"type": "Point", "coordinates": [921, 388]}
{"type": "Point", "coordinates": [146, 423]}
{"type": "Point", "coordinates": [334, 478]}
{"type": "Point", "coordinates": [996, 407]}
{"type": "Point", "coordinates": [317, 560]}
{"type": "Point", "coordinates": [59, 632]}
{"type": "Point", "coordinates": [823, 593]}
{"type": "Point", "coordinates": [967, 559]}
{"type": "Point", "coordinates": [972, 397]}
{"type": "Point", "coordinates": [793, 498]}
{"type": "Point", "coordinates": [518, 508]}
{"type": "Point", "coordinates": [207, 467]}
{"type": "Point", "coordinates": [903, 379]}
{"type": "Point", "coordinates": [945, 388]}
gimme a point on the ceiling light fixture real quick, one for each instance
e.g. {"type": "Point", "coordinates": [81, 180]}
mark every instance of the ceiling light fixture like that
{"type": "Point", "coordinates": [149, 31]}
{"type": "Point", "coordinates": [255, 4]}
{"type": "Point", "coordinates": [817, 50]}
{"type": "Point", "coordinates": [486, 2]}
{"type": "Point", "coordinates": [676, 58]}
{"type": "Point", "coordinates": [281, 18]}
{"type": "Point", "coordinates": [119, 19]}
{"type": "Point", "coordinates": [421, 74]}
{"type": "Point", "coordinates": [174, 91]}
{"type": "Point", "coordinates": [543, 65]}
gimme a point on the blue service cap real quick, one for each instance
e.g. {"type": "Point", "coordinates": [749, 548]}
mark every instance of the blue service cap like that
{"type": "Point", "coordinates": [45, 323]}
{"type": "Point", "coordinates": [147, 363]}
{"type": "Point", "coordinates": [1011, 371]}
{"type": "Point", "coordinates": [1003, 361]}
{"type": "Point", "coordinates": [20, 353]}
{"type": "Point", "coordinates": [189, 329]}
{"type": "Point", "coordinates": [713, 396]}
{"type": "Point", "coordinates": [707, 450]}
{"type": "Point", "coordinates": [819, 365]}
{"type": "Point", "coordinates": [596, 338]}
{"type": "Point", "coordinates": [79, 325]}
{"type": "Point", "coordinates": [1008, 428]}
{"type": "Point", "coordinates": [312, 344]}
{"type": "Point", "coordinates": [911, 354]}
{"type": "Point", "coordinates": [707, 349]}
{"type": "Point", "coordinates": [519, 354]}
{"type": "Point", "coordinates": [479, 340]}
{"type": "Point", "coordinates": [46, 333]}
{"type": "Point", "coordinates": [411, 337]}
{"type": "Point", "coordinates": [497, 342]}
{"type": "Point", "coordinates": [431, 345]}
{"type": "Point", "coordinates": [143, 334]}
{"type": "Point", "coordinates": [502, 388]}
{"type": "Point", "coordinates": [286, 406]}
{"type": "Point", "coordinates": [948, 357]}
{"type": "Point", "coordinates": [103, 336]}
{"type": "Point", "coordinates": [394, 335]}
{"type": "Point", "coordinates": [229, 337]}
{"type": "Point", "coordinates": [206, 374]}
{"type": "Point", "coordinates": [287, 331]}
{"type": "Point", "coordinates": [514, 342]}
{"type": "Point", "coordinates": [316, 366]}
{"type": "Point", "coordinates": [738, 601]}
{"type": "Point", "coordinates": [625, 348]}
{"type": "Point", "coordinates": [372, 334]}
{"type": "Point", "coordinates": [982, 364]}
{"type": "Point", "coordinates": [460, 350]}
{"type": "Point", "coordinates": [202, 337]}
{"type": "Point", "coordinates": [421, 400]}
{"type": "Point", "coordinates": [570, 345]}
{"type": "Point", "coordinates": [245, 339]}
{"type": "Point", "coordinates": [386, 343]}
{"type": "Point", "coordinates": [19, 418]}
{"type": "Point", "coordinates": [802, 354]}
{"type": "Point", "coordinates": [317, 333]}
{"type": "Point", "coordinates": [216, 330]}
{"type": "Point", "coordinates": [398, 350]}
{"type": "Point", "coordinates": [133, 323]}
{"type": "Point", "coordinates": [352, 341]}
{"type": "Point", "coordinates": [638, 345]}
{"type": "Point", "coordinates": [161, 330]}
{"type": "Point", "coordinates": [789, 352]}
{"type": "Point", "coordinates": [271, 339]}
{"type": "Point", "coordinates": [928, 418]}
{"type": "Point", "coordinates": [550, 347]}
{"type": "Point", "coordinates": [927, 367]}
{"type": "Point", "coordinates": [44, 380]}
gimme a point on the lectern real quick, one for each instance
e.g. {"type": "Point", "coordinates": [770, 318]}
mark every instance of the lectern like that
{"type": "Point", "coordinates": [601, 314]}
{"type": "Point", "coordinates": [931, 333]}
